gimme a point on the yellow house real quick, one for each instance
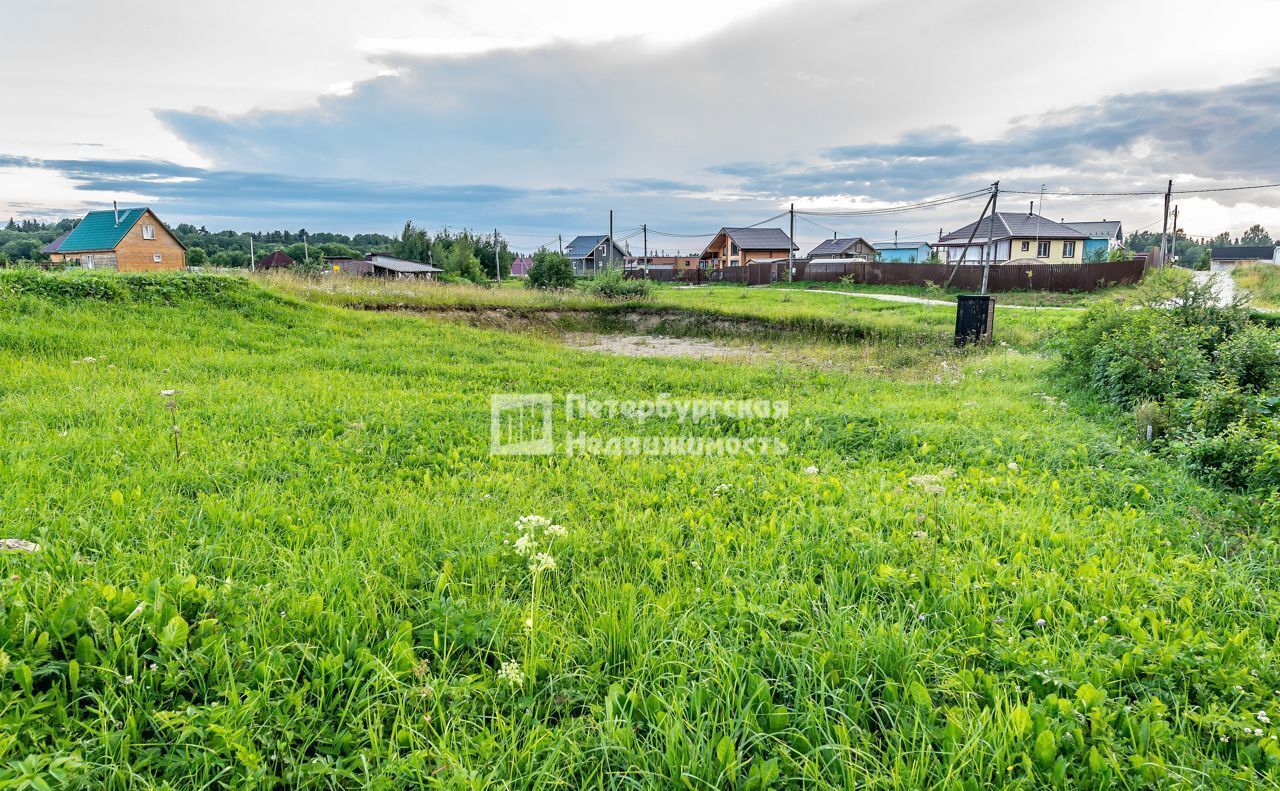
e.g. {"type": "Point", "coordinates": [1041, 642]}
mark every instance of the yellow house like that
{"type": "Point", "coordinates": [1015, 236]}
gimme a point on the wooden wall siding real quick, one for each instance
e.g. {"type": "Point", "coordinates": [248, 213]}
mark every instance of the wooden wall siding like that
{"type": "Point", "coordinates": [137, 254]}
{"type": "Point", "coordinates": [1004, 277]}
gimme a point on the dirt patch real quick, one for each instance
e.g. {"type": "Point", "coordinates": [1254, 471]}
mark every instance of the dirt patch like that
{"type": "Point", "coordinates": [652, 346]}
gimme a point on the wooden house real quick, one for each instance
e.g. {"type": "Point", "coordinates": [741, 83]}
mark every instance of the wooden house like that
{"type": "Point", "coordinates": [739, 246]}
{"type": "Point", "coordinates": [123, 240]}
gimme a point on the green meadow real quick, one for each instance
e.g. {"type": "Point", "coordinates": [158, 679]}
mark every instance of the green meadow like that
{"type": "Point", "coordinates": [958, 575]}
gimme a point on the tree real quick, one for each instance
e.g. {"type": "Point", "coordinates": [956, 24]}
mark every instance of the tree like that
{"type": "Point", "coordinates": [1256, 236]}
{"type": "Point", "coordinates": [462, 261]}
{"type": "Point", "coordinates": [196, 256]}
{"type": "Point", "coordinates": [550, 270]}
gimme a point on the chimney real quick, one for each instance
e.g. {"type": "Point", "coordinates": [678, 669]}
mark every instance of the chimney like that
{"type": "Point", "coordinates": [1032, 210]}
{"type": "Point", "coordinates": [116, 208]}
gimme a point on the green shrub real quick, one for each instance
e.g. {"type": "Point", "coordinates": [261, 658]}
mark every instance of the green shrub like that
{"type": "Point", "coordinates": [1250, 358]}
{"type": "Point", "coordinates": [1236, 458]}
{"type": "Point", "coordinates": [1152, 420]}
{"type": "Point", "coordinates": [612, 285]}
{"type": "Point", "coordinates": [550, 270]}
{"type": "Point", "coordinates": [1150, 356]}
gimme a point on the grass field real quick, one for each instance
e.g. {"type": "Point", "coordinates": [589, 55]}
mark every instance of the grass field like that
{"type": "Point", "coordinates": [1262, 282]}
{"type": "Point", "coordinates": [958, 580]}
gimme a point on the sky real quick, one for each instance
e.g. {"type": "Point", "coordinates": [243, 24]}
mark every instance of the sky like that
{"type": "Point", "coordinates": [538, 118]}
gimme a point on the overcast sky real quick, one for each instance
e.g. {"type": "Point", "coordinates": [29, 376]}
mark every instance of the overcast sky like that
{"type": "Point", "coordinates": [540, 117]}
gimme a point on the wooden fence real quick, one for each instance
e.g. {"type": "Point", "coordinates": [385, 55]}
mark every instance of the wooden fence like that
{"type": "Point", "coordinates": [1003, 277]}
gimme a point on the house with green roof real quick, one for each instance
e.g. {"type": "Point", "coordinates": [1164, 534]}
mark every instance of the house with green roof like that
{"type": "Point", "coordinates": [124, 240]}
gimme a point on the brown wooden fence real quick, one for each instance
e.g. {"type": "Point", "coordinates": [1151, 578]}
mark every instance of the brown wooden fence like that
{"type": "Point", "coordinates": [1003, 277]}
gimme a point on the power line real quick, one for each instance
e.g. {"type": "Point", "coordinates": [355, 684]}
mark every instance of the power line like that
{"type": "Point", "coordinates": [1202, 191]}
{"type": "Point", "coordinates": [908, 207]}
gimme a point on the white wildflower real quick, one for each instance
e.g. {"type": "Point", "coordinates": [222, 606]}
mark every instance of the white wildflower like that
{"type": "Point", "coordinates": [532, 522]}
{"type": "Point", "coordinates": [1263, 718]}
{"type": "Point", "coordinates": [168, 393]}
{"type": "Point", "coordinates": [512, 674]}
{"type": "Point", "coordinates": [919, 534]}
{"type": "Point", "coordinates": [128, 680]}
{"type": "Point", "coordinates": [1040, 622]}
{"type": "Point", "coordinates": [525, 545]}
{"type": "Point", "coordinates": [811, 470]}
{"type": "Point", "coordinates": [1013, 465]}
{"type": "Point", "coordinates": [556, 531]}
{"type": "Point", "coordinates": [542, 562]}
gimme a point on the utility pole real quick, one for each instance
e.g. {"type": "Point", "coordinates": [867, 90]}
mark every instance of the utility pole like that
{"type": "Point", "coordinates": [1173, 243]}
{"type": "Point", "coordinates": [497, 257]}
{"type": "Point", "coordinates": [1164, 233]}
{"type": "Point", "coordinates": [560, 242]}
{"type": "Point", "coordinates": [991, 228]}
{"type": "Point", "coordinates": [645, 227]}
{"type": "Point", "coordinates": [252, 267]}
{"type": "Point", "coordinates": [791, 258]}
{"type": "Point", "coordinates": [306, 251]}
{"type": "Point", "coordinates": [611, 239]}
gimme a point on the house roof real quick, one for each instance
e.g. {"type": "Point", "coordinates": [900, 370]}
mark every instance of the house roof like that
{"type": "Point", "coordinates": [1014, 224]}
{"type": "Point", "coordinates": [837, 246]}
{"type": "Point", "coordinates": [400, 265]}
{"type": "Point", "coordinates": [55, 245]}
{"type": "Point", "coordinates": [100, 231]}
{"type": "Point", "coordinates": [1104, 229]}
{"type": "Point", "coordinates": [760, 238]}
{"type": "Point", "coordinates": [583, 246]}
{"type": "Point", "coordinates": [278, 258]}
{"type": "Point", "coordinates": [903, 245]}
{"type": "Point", "coordinates": [1241, 253]}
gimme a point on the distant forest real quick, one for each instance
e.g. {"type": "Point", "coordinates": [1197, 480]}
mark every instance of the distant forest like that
{"type": "Point", "coordinates": [463, 254]}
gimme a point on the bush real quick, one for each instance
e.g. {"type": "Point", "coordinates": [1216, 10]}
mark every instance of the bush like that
{"type": "Point", "coordinates": [550, 270]}
{"type": "Point", "coordinates": [1150, 356]}
{"type": "Point", "coordinates": [1238, 458]}
{"type": "Point", "coordinates": [1250, 358]}
{"type": "Point", "coordinates": [612, 285]}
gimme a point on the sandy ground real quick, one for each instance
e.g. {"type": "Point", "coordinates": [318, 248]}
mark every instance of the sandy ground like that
{"type": "Point", "coordinates": [653, 346]}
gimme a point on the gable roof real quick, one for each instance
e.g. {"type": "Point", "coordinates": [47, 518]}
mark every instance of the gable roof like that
{"type": "Point", "coordinates": [1013, 224]}
{"type": "Point", "coordinates": [1104, 229]}
{"type": "Point", "coordinates": [1241, 253]}
{"type": "Point", "coordinates": [837, 246]}
{"type": "Point", "coordinates": [278, 258]}
{"type": "Point", "coordinates": [583, 246]}
{"type": "Point", "coordinates": [400, 265]}
{"type": "Point", "coordinates": [759, 238]}
{"type": "Point", "coordinates": [100, 231]}
{"type": "Point", "coordinates": [56, 244]}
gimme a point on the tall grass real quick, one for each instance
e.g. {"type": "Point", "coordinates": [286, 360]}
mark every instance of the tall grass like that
{"type": "Point", "coordinates": [950, 582]}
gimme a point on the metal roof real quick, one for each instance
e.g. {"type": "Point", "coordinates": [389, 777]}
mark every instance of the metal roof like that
{"type": "Point", "coordinates": [100, 231]}
{"type": "Point", "coordinates": [583, 246]}
{"type": "Point", "coordinates": [1014, 224]}
{"type": "Point", "coordinates": [760, 238]}
{"type": "Point", "coordinates": [278, 258]}
{"type": "Point", "coordinates": [401, 265]}
{"type": "Point", "coordinates": [1103, 229]}
{"type": "Point", "coordinates": [1242, 253]}
{"type": "Point", "coordinates": [55, 245]}
{"type": "Point", "coordinates": [838, 246]}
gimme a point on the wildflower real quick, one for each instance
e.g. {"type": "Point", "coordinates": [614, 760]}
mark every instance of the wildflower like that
{"type": "Point", "coordinates": [1225, 738]}
{"type": "Point", "coordinates": [920, 617]}
{"type": "Point", "coordinates": [153, 667]}
{"type": "Point", "coordinates": [556, 531]}
{"type": "Point", "coordinates": [1102, 618]}
{"type": "Point", "coordinates": [1013, 465]}
{"type": "Point", "coordinates": [525, 545]}
{"type": "Point", "coordinates": [168, 393]}
{"type": "Point", "coordinates": [128, 680]}
{"type": "Point", "coordinates": [1263, 718]}
{"type": "Point", "coordinates": [811, 470]}
{"type": "Point", "coordinates": [1257, 731]}
{"type": "Point", "coordinates": [542, 562]}
{"type": "Point", "coordinates": [512, 674]}
{"type": "Point", "coordinates": [528, 623]}
{"type": "Point", "coordinates": [919, 534]}
{"type": "Point", "coordinates": [532, 522]}
{"type": "Point", "coordinates": [1040, 622]}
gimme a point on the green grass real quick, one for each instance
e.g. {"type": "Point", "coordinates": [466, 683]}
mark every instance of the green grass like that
{"type": "Point", "coordinates": [978, 586]}
{"type": "Point", "coordinates": [1048, 299]}
{"type": "Point", "coordinates": [1263, 283]}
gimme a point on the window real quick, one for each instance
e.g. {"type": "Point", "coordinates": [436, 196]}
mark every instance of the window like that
{"type": "Point", "coordinates": [1042, 250]}
{"type": "Point", "coordinates": [148, 232]}
{"type": "Point", "coordinates": [1026, 246]}
{"type": "Point", "coordinates": [157, 258]}
{"type": "Point", "coordinates": [87, 262]}
{"type": "Point", "coordinates": [1068, 249]}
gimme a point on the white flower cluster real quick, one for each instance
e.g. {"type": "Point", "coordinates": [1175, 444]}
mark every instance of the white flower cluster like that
{"type": "Point", "coordinates": [536, 535]}
{"type": "Point", "coordinates": [511, 673]}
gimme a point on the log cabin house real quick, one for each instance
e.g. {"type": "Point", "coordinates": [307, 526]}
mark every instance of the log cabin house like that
{"type": "Point", "coordinates": [123, 240]}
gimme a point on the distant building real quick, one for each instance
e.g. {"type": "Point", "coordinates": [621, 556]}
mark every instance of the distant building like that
{"type": "Point", "coordinates": [53, 247]}
{"type": "Point", "coordinates": [1014, 236]}
{"type": "Point", "coordinates": [520, 266]}
{"type": "Point", "coordinates": [678, 263]}
{"type": "Point", "coordinates": [124, 240]}
{"type": "Point", "coordinates": [591, 254]}
{"type": "Point", "coordinates": [1222, 258]}
{"type": "Point", "coordinates": [904, 252]}
{"type": "Point", "coordinates": [276, 260]}
{"type": "Point", "coordinates": [1104, 236]}
{"type": "Point", "coordinates": [383, 265]}
{"type": "Point", "coordinates": [856, 249]}
{"type": "Point", "coordinates": [738, 246]}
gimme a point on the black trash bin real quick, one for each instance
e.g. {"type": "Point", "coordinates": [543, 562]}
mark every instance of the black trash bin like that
{"type": "Point", "coordinates": [975, 318]}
